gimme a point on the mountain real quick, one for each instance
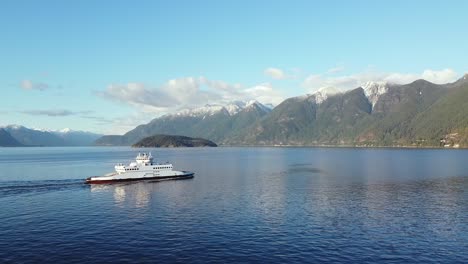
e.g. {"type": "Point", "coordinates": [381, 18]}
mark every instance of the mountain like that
{"type": "Point", "coordinates": [420, 113]}
{"type": "Point", "coordinates": [445, 121]}
{"type": "Point", "coordinates": [32, 137]}
{"type": "Point", "coordinates": [77, 138]}
{"type": "Point", "coordinates": [373, 91]}
{"type": "Point", "coordinates": [170, 141]}
{"type": "Point", "coordinates": [394, 113]}
{"type": "Point", "coordinates": [379, 114]}
{"type": "Point", "coordinates": [211, 121]}
{"type": "Point", "coordinates": [308, 120]}
{"type": "Point", "coordinates": [6, 140]}
{"type": "Point", "coordinates": [38, 137]}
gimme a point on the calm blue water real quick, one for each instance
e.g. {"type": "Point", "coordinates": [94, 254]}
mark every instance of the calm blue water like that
{"type": "Point", "coordinates": [258, 205]}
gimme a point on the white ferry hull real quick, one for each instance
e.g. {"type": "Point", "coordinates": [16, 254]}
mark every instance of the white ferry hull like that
{"type": "Point", "coordinates": [135, 176]}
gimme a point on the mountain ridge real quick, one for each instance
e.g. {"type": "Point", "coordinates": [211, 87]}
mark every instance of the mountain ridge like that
{"type": "Point", "coordinates": [43, 137]}
{"type": "Point", "coordinates": [375, 114]}
{"type": "Point", "coordinates": [6, 140]}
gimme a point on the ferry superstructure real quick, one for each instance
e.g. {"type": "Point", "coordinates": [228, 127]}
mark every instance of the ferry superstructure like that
{"type": "Point", "coordinates": [142, 169]}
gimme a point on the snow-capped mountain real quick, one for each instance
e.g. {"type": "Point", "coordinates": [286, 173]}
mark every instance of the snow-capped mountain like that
{"type": "Point", "coordinates": [235, 107]}
{"type": "Point", "coordinates": [8, 127]}
{"type": "Point", "coordinates": [255, 103]}
{"type": "Point", "coordinates": [59, 131]}
{"type": "Point", "coordinates": [210, 121]}
{"type": "Point", "coordinates": [47, 137]}
{"type": "Point", "coordinates": [66, 130]}
{"type": "Point", "coordinates": [230, 109]}
{"type": "Point", "coordinates": [373, 90]}
{"type": "Point", "coordinates": [208, 109]}
{"type": "Point", "coordinates": [324, 117]}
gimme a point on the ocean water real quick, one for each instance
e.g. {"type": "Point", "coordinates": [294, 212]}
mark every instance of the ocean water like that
{"type": "Point", "coordinates": [249, 205]}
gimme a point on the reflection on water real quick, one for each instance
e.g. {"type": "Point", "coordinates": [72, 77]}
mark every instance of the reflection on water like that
{"type": "Point", "coordinates": [267, 205]}
{"type": "Point", "coordinates": [136, 193]}
{"type": "Point", "coordinates": [119, 194]}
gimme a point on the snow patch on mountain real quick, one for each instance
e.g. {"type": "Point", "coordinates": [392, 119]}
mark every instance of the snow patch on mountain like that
{"type": "Point", "coordinates": [60, 131]}
{"type": "Point", "coordinates": [373, 91]}
{"type": "Point", "coordinates": [235, 107]}
{"type": "Point", "coordinates": [211, 109]}
{"type": "Point", "coordinates": [323, 93]}
{"type": "Point", "coordinates": [65, 130]}
{"type": "Point", "coordinates": [14, 127]}
{"type": "Point", "coordinates": [46, 130]}
{"type": "Point", "coordinates": [255, 103]}
{"type": "Point", "coordinates": [201, 111]}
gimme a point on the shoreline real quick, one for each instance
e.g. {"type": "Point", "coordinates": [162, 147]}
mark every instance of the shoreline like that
{"type": "Point", "coordinates": [260, 146]}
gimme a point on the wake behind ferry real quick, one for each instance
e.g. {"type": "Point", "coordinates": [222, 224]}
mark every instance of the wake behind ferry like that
{"type": "Point", "coordinates": [142, 169]}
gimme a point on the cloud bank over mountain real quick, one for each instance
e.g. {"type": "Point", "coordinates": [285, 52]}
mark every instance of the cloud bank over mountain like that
{"type": "Point", "coordinates": [150, 101]}
{"type": "Point", "coordinates": [314, 82]}
{"type": "Point", "coordinates": [188, 92]}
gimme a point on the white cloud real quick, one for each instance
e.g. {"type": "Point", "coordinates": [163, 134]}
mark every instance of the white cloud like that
{"type": "Point", "coordinates": [187, 92]}
{"type": "Point", "coordinates": [275, 73]}
{"type": "Point", "coordinates": [264, 93]}
{"type": "Point", "coordinates": [335, 69]}
{"type": "Point", "coordinates": [54, 112]}
{"type": "Point", "coordinates": [30, 85]}
{"type": "Point", "coordinates": [317, 81]}
{"type": "Point", "coordinates": [440, 77]}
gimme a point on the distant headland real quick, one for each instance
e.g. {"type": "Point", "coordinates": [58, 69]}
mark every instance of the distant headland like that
{"type": "Point", "coordinates": [173, 141]}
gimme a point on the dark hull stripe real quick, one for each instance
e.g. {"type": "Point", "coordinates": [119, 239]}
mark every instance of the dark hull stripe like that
{"type": "Point", "coordinates": [184, 176]}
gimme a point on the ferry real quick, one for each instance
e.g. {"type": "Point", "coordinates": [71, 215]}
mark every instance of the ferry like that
{"type": "Point", "coordinates": [142, 169]}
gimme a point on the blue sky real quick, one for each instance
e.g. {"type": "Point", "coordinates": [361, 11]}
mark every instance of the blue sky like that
{"type": "Point", "coordinates": [107, 66]}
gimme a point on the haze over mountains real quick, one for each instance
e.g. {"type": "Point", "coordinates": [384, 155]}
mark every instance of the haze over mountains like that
{"type": "Point", "coordinates": [420, 113]}
{"type": "Point", "coordinates": [15, 135]}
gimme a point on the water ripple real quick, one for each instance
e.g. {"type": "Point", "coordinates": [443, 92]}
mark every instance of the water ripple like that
{"type": "Point", "coordinates": [244, 205]}
{"type": "Point", "coordinates": [8, 188]}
